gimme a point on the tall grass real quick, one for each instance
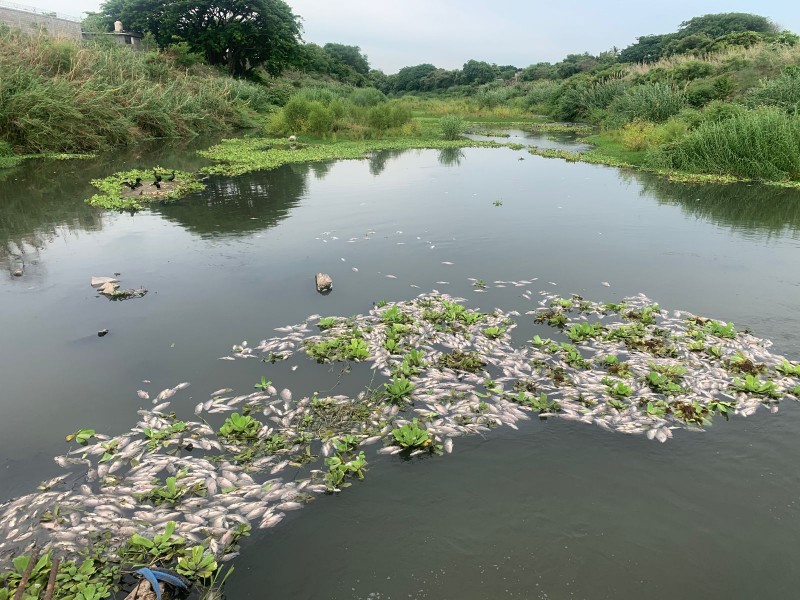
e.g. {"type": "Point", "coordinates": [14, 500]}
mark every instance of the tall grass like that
{"type": "Point", "coordinates": [783, 92]}
{"type": "Point", "coordinates": [655, 102]}
{"type": "Point", "coordinates": [756, 144]}
{"type": "Point", "coordinates": [58, 95]}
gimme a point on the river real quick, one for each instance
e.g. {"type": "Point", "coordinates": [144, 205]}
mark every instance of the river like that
{"type": "Point", "coordinates": [554, 510]}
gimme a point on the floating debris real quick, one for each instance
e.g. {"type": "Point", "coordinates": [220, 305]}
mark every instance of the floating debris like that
{"type": "Point", "coordinates": [450, 371]}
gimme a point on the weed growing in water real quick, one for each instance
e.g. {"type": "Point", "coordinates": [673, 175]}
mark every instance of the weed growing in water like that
{"type": "Point", "coordinates": [411, 435]}
{"type": "Point", "coordinates": [753, 385]}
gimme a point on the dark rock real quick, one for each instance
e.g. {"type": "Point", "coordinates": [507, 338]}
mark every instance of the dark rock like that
{"type": "Point", "coordinates": [102, 332]}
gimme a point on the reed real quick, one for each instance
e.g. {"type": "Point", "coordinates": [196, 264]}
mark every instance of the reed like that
{"type": "Point", "coordinates": [58, 95]}
{"type": "Point", "coordinates": [756, 144]}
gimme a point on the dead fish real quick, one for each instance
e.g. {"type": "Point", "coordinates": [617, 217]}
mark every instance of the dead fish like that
{"type": "Point", "coordinates": [143, 395]}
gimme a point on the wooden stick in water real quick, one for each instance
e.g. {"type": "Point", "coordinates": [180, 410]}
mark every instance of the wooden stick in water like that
{"type": "Point", "coordinates": [27, 574]}
{"type": "Point", "coordinates": [51, 583]}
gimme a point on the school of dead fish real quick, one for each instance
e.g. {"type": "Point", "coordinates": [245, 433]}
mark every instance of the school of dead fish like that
{"type": "Point", "coordinates": [101, 493]}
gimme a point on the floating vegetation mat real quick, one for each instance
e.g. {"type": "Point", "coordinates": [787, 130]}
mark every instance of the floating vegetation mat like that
{"type": "Point", "coordinates": [131, 190]}
{"type": "Point", "coordinates": [441, 371]}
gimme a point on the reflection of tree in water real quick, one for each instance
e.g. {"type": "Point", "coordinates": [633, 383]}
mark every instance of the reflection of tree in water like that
{"type": "Point", "coordinates": [378, 160]}
{"type": "Point", "coordinates": [743, 207]}
{"type": "Point", "coordinates": [321, 168]}
{"type": "Point", "coordinates": [38, 203]}
{"type": "Point", "coordinates": [450, 157]}
{"type": "Point", "coordinates": [242, 204]}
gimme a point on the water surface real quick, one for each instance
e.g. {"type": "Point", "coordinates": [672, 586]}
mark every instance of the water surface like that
{"type": "Point", "coordinates": [555, 510]}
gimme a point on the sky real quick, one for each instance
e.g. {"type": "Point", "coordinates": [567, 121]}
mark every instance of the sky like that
{"type": "Point", "coordinates": [447, 33]}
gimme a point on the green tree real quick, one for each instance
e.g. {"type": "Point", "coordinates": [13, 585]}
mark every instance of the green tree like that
{"type": "Point", "coordinates": [237, 34]}
{"type": "Point", "coordinates": [348, 55]}
{"type": "Point", "coordinates": [716, 25]}
{"type": "Point", "coordinates": [477, 71]}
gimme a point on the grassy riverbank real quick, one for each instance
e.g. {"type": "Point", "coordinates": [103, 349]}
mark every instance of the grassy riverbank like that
{"type": "Point", "coordinates": [61, 96]}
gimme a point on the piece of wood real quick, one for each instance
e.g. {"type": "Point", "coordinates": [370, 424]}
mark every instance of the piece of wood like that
{"type": "Point", "coordinates": [26, 575]}
{"type": "Point", "coordinates": [51, 583]}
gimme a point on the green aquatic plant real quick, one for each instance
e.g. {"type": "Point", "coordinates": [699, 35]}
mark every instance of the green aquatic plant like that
{"type": "Point", "coordinates": [788, 368]}
{"type": "Point", "coordinates": [411, 435]}
{"type": "Point", "coordinates": [796, 391]}
{"type": "Point", "coordinates": [617, 389]}
{"type": "Point", "coordinates": [498, 203]}
{"type": "Point", "coordinates": [540, 402]}
{"type": "Point", "coordinates": [339, 470]}
{"type": "Point", "coordinates": [158, 437]}
{"type": "Point", "coordinates": [171, 492]}
{"type": "Point", "coordinates": [163, 547]}
{"type": "Point", "coordinates": [618, 404]}
{"type": "Point", "coordinates": [573, 357]}
{"type": "Point", "coordinates": [326, 323]}
{"type": "Point", "coordinates": [357, 350]}
{"type": "Point", "coordinates": [645, 316]}
{"type": "Point", "coordinates": [116, 196]}
{"type": "Point", "coordinates": [494, 332]}
{"type": "Point", "coordinates": [461, 361]}
{"type": "Point", "coordinates": [539, 341]}
{"type": "Point", "coordinates": [657, 408]}
{"type": "Point", "coordinates": [197, 563]}
{"type": "Point", "coordinates": [82, 436]}
{"type": "Point", "coordinates": [263, 385]}
{"type": "Point", "coordinates": [722, 407]}
{"type": "Point", "coordinates": [394, 315]}
{"type": "Point", "coordinates": [720, 329]}
{"type": "Point", "coordinates": [398, 389]}
{"type": "Point", "coordinates": [479, 283]}
{"type": "Point", "coordinates": [694, 412]}
{"type": "Point", "coordinates": [714, 352]}
{"type": "Point", "coordinates": [663, 384]}
{"type": "Point", "coordinates": [579, 332]}
{"type": "Point", "coordinates": [346, 443]}
{"type": "Point", "coordinates": [240, 428]}
{"type": "Point", "coordinates": [753, 385]}
{"type": "Point", "coordinates": [739, 363]}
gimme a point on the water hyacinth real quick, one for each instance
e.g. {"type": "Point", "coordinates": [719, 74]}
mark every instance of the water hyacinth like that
{"type": "Point", "coordinates": [447, 371]}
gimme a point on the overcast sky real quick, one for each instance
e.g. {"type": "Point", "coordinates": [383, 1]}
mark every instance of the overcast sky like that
{"type": "Point", "coordinates": [447, 33]}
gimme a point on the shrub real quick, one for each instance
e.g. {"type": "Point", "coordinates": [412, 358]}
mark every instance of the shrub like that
{"type": "Point", "coordinates": [756, 144]}
{"type": "Point", "coordinates": [783, 92]}
{"type": "Point", "coordinates": [295, 113]}
{"type": "Point", "coordinates": [452, 126]}
{"type": "Point", "coordinates": [540, 95]}
{"type": "Point", "coordinates": [320, 118]}
{"type": "Point", "coordinates": [367, 96]}
{"type": "Point", "coordinates": [388, 115]}
{"type": "Point", "coordinates": [655, 102]}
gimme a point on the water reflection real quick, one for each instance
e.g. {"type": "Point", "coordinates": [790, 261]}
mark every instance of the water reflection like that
{"type": "Point", "coordinates": [42, 200]}
{"type": "Point", "coordinates": [244, 204]}
{"type": "Point", "coordinates": [451, 157]}
{"type": "Point", "coordinates": [746, 208]}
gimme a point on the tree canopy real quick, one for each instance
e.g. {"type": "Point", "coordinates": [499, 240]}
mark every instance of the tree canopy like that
{"type": "Point", "coordinates": [237, 34]}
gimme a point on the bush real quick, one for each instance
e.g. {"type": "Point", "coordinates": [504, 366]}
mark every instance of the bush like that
{"type": "Point", "coordinates": [717, 111]}
{"type": "Point", "coordinates": [783, 92]}
{"type": "Point", "coordinates": [755, 144]}
{"type": "Point", "coordinates": [540, 96]}
{"type": "Point", "coordinates": [655, 102]}
{"type": "Point", "coordinates": [367, 96]}
{"type": "Point", "coordinates": [295, 113]}
{"type": "Point", "coordinates": [320, 118]}
{"type": "Point", "coordinates": [452, 126]}
{"type": "Point", "coordinates": [388, 115]}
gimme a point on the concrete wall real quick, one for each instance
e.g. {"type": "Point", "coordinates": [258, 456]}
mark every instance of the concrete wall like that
{"type": "Point", "coordinates": [31, 21]}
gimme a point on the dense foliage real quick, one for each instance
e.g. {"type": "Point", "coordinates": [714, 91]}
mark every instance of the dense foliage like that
{"type": "Point", "coordinates": [237, 34]}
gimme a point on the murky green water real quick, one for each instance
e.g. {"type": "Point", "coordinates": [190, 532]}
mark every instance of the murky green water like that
{"type": "Point", "coordinates": [555, 510]}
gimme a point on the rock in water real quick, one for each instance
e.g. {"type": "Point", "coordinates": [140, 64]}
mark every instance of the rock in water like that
{"type": "Point", "coordinates": [102, 332]}
{"type": "Point", "coordinates": [98, 281]}
{"type": "Point", "coordinates": [17, 273]}
{"type": "Point", "coordinates": [324, 283]}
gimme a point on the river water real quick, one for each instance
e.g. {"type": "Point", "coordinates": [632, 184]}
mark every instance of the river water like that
{"type": "Point", "coordinates": [554, 510]}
